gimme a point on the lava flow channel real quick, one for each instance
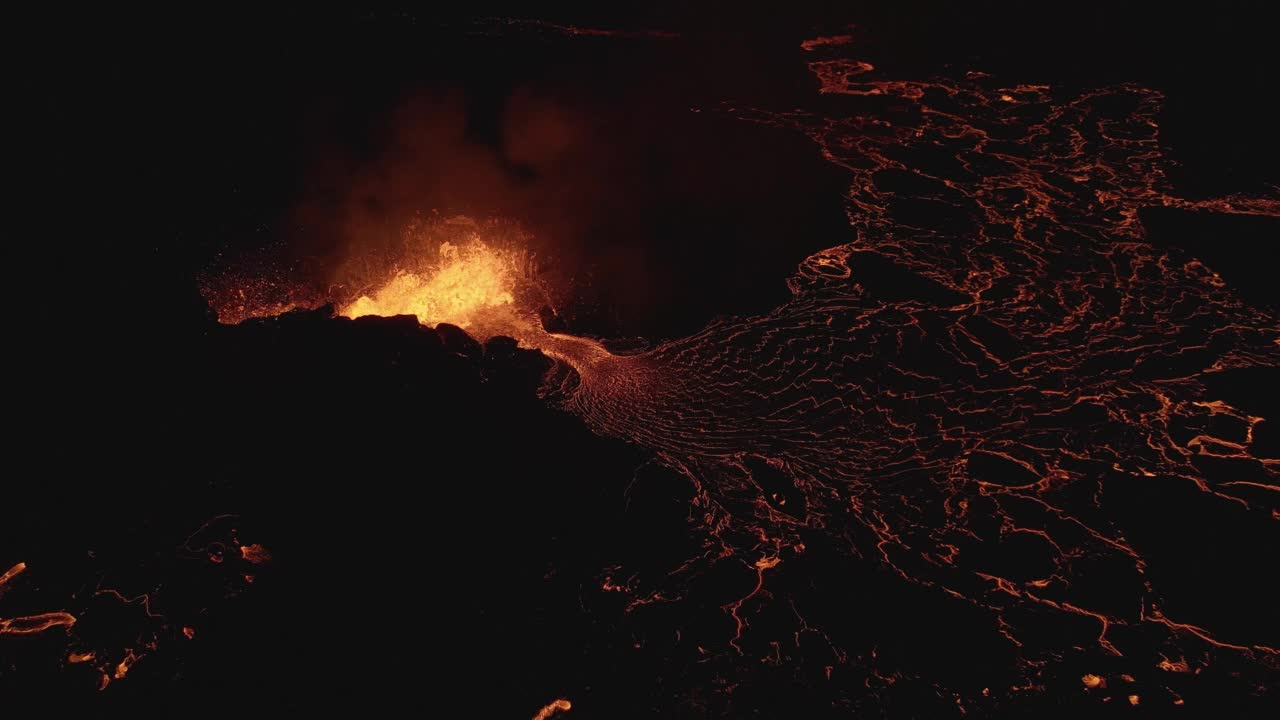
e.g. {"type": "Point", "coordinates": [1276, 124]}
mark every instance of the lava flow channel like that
{"type": "Point", "coordinates": [997, 409]}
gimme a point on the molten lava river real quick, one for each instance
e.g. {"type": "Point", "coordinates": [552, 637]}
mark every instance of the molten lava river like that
{"type": "Point", "coordinates": [984, 441]}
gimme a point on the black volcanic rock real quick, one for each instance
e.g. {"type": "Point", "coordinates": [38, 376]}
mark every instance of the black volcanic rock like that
{"type": "Point", "coordinates": [507, 363]}
{"type": "Point", "coordinates": [369, 457]}
{"type": "Point", "coordinates": [500, 346]}
{"type": "Point", "coordinates": [457, 340]}
{"type": "Point", "coordinates": [399, 324]}
{"type": "Point", "coordinates": [551, 320]}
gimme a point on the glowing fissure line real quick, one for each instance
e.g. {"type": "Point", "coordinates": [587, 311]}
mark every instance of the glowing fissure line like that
{"type": "Point", "coordinates": [555, 706]}
{"type": "Point", "coordinates": [30, 624]}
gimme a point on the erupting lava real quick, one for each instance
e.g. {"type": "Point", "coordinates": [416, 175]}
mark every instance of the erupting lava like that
{"type": "Point", "coordinates": [468, 282]}
{"type": "Point", "coordinates": [993, 441]}
{"type": "Point", "coordinates": [476, 275]}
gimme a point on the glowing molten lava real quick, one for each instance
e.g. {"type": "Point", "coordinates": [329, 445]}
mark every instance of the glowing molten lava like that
{"type": "Point", "coordinates": [478, 275]}
{"type": "Point", "coordinates": [560, 705]}
{"type": "Point", "coordinates": [467, 282]}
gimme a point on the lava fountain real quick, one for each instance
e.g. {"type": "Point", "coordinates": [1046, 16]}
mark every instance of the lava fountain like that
{"type": "Point", "coordinates": [478, 275]}
{"type": "Point", "coordinates": [470, 282]}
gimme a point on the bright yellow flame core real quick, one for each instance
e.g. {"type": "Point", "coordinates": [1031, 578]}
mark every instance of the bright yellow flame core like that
{"type": "Point", "coordinates": [467, 282]}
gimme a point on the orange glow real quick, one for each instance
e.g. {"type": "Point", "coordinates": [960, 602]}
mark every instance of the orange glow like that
{"type": "Point", "coordinates": [826, 41]}
{"type": "Point", "coordinates": [552, 708]}
{"type": "Point", "coordinates": [122, 668]}
{"type": "Point", "coordinates": [11, 573]}
{"type": "Point", "coordinates": [768, 562]}
{"type": "Point", "coordinates": [31, 624]}
{"type": "Point", "coordinates": [255, 554]}
{"type": "Point", "coordinates": [477, 275]}
{"type": "Point", "coordinates": [75, 657]}
{"type": "Point", "coordinates": [1091, 681]}
{"type": "Point", "coordinates": [466, 282]}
